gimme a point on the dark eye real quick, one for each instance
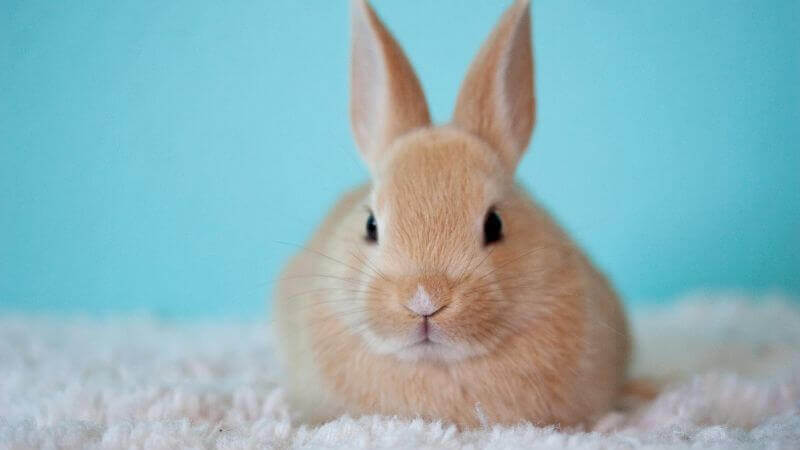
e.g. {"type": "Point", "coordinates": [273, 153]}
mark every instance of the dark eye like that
{"type": "Point", "coordinates": [492, 228]}
{"type": "Point", "coordinates": [372, 229]}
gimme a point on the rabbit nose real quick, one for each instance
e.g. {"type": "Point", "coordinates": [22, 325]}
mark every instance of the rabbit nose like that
{"type": "Point", "coordinates": [422, 304]}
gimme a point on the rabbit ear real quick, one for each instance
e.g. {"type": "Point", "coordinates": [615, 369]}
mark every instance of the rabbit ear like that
{"type": "Point", "coordinates": [496, 100]}
{"type": "Point", "coordinates": [386, 99]}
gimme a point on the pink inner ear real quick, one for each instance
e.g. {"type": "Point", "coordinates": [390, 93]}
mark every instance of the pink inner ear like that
{"type": "Point", "coordinates": [386, 98]}
{"type": "Point", "coordinates": [367, 78]}
{"type": "Point", "coordinates": [517, 85]}
{"type": "Point", "coordinates": [496, 101]}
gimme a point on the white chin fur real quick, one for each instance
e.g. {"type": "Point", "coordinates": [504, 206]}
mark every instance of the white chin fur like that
{"type": "Point", "coordinates": [432, 352]}
{"type": "Point", "coordinates": [406, 350]}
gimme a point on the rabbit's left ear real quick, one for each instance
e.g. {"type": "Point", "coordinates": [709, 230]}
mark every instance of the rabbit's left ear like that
{"type": "Point", "coordinates": [496, 101]}
{"type": "Point", "coordinates": [386, 99]}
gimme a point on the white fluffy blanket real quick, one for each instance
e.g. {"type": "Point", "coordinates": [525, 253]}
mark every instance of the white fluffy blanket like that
{"type": "Point", "coordinates": [140, 382]}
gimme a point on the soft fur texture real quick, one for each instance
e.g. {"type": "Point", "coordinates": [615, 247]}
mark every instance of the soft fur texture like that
{"type": "Point", "coordinates": [138, 382]}
{"type": "Point", "coordinates": [522, 324]}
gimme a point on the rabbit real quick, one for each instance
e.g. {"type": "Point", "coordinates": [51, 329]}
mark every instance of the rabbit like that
{"type": "Point", "coordinates": [440, 290]}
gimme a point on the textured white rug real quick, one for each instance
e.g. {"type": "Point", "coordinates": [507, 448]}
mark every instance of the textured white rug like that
{"type": "Point", "coordinates": [139, 382]}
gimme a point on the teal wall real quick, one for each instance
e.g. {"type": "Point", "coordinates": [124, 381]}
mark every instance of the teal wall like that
{"type": "Point", "coordinates": [152, 154]}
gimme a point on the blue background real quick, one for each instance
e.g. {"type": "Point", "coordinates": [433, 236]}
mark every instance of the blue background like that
{"type": "Point", "coordinates": [154, 153]}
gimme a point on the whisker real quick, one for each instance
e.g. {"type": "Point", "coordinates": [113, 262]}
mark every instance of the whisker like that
{"type": "Point", "coordinates": [326, 289]}
{"type": "Point", "coordinates": [507, 262]}
{"type": "Point", "coordinates": [368, 263]}
{"type": "Point", "coordinates": [471, 270]}
{"type": "Point", "coordinates": [319, 253]}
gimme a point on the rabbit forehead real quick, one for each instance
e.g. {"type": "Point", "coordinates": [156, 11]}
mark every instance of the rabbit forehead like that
{"type": "Point", "coordinates": [438, 170]}
{"type": "Point", "coordinates": [436, 189]}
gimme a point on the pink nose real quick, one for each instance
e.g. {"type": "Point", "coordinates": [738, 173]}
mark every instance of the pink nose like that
{"type": "Point", "coordinates": [422, 304]}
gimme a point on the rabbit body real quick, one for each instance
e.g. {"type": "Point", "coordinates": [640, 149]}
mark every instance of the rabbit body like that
{"type": "Point", "coordinates": [440, 289]}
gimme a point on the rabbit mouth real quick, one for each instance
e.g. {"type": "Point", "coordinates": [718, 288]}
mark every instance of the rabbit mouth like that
{"type": "Point", "coordinates": [425, 341]}
{"type": "Point", "coordinates": [429, 342]}
{"type": "Point", "coordinates": [425, 336]}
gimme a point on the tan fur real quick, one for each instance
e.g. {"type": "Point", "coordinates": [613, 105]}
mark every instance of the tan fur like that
{"type": "Point", "coordinates": [500, 82]}
{"type": "Point", "coordinates": [525, 329]}
{"type": "Point", "coordinates": [389, 100]}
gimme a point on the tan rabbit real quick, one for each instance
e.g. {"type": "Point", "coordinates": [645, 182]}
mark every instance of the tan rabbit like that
{"type": "Point", "coordinates": [441, 290]}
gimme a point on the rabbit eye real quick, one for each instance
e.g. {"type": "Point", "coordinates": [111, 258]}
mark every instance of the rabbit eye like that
{"type": "Point", "coordinates": [492, 228]}
{"type": "Point", "coordinates": [372, 229]}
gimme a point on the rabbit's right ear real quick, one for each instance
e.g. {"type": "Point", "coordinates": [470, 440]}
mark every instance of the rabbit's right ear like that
{"type": "Point", "coordinates": [386, 99]}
